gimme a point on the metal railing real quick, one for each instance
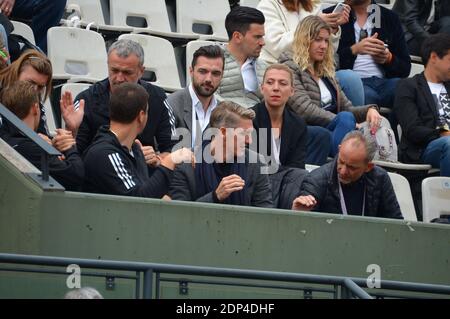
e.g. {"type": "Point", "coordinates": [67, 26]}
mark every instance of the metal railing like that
{"type": "Point", "coordinates": [47, 150]}
{"type": "Point", "coordinates": [149, 275]}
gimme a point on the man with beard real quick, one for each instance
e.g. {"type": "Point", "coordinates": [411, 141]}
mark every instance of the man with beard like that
{"type": "Point", "coordinates": [191, 107]}
{"type": "Point", "coordinates": [351, 184]}
{"type": "Point", "coordinates": [125, 65]}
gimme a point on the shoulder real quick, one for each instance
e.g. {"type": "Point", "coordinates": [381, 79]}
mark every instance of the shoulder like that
{"type": "Point", "coordinates": [153, 90]}
{"type": "Point", "coordinates": [177, 96]}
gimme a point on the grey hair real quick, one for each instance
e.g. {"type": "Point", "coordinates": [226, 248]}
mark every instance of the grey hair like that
{"type": "Point", "coordinates": [368, 141]}
{"type": "Point", "coordinates": [125, 47]}
{"type": "Point", "coordinates": [83, 293]}
{"type": "Point", "coordinates": [227, 114]}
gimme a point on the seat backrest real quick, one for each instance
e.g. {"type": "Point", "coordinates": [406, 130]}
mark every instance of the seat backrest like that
{"type": "Point", "coordinates": [404, 197]}
{"type": "Point", "coordinates": [435, 197]}
{"type": "Point", "coordinates": [75, 88]}
{"type": "Point", "coordinates": [191, 47]}
{"type": "Point", "coordinates": [90, 10]}
{"type": "Point", "coordinates": [249, 3]}
{"type": "Point", "coordinates": [416, 69]}
{"type": "Point", "coordinates": [77, 53]}
{"type": "Point", "coordinates": [159, 57]}
{"type": "Point", "coordinates": [23, 30]}
{"type": "Point", "coordinates": [212, 13]}
{"type": "Point", "coordinates": [154, 12]}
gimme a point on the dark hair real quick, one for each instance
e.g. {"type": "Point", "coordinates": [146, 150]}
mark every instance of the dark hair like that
{"type": "Point", "coordinates": [127, 100]}
{"type": "Point", "coordinates": [19, 97]}
{"type": "Point", "coordinates": [240, 18]}
{"type": "Point", "coordinates": [208, 51]}
{"type": "Point", "coordinates": [438, 43]}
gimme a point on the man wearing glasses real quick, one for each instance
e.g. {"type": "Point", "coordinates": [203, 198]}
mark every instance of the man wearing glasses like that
{"type": "Point", "coordinates": [373, 45]}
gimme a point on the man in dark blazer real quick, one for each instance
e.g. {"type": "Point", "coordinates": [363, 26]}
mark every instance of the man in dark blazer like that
{"type": "Point", "coordinates": [195, 103]}
{"type": "Point", "coordinates": [422, 106]}
{"type": "Point", "coordinates": [421, 18]}
{"type": "Point", "coordinates": [281, 133]}
{"type": "Point", "coordinates": [227, 172]}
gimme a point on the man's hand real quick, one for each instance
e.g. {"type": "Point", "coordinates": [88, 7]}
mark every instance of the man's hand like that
{"type": "Point", "coordinates": [383, 57]}
{"type": "Point", "coordinates": [331, 18]}
{"type": "Point", "coordinates": [371, 45]}
{"type": "Point", "coordinates": [63, 140]}
{"type": "Point", "coordinates": [72, 117]}
{"type": "Point", "coordinates": [45, 138]}
{"type": "Point", "coordinates": [229, 185]}
{"type": "Point", "coordinates": [7, 6]}
{"type": "Point", "coordinates": [306, 203]}
{"type": "Point", "coordinates": [344, 15]}
{"type": "Point", "coordinates": [373, 118]}
{"type": "Point", "coordinates": [182, 155]}
{"type": "Point", "coordinates": [151, 158]}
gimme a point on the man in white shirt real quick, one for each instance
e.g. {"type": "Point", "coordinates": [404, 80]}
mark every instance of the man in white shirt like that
{"type": "Point", "coordinates": [422, 105]}
{"type": "Point", "coordinates": [373, 45]}
{"type": "Point", "coordinates": [191, 107]}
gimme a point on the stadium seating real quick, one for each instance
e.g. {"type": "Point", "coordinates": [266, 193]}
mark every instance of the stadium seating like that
{"type": "Point", "coordinates": [23, 30]}
{"type": "Point", "coordinates": [211, 13]}
{"type": "Point", "coordinates": [435, 197]}
{"type": "Point", "coordinates": [404, 197]}
{"type": "Point", "coordinates": [77, 54]}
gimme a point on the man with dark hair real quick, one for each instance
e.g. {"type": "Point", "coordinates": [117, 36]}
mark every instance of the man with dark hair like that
{"type": "Point", "coordinates": [373, 45]}
{"type": "Point", "coordinates": [243, 70]}
{"type": "Point", "coordinates": [351, 184]}
{"type": "Point", "coordinates": [228, 172]}
{"type": "Point", "coordinates": [422, 105]}
{"type": "Point", "coordinates": [191, 107]}
{"type": "Point", "coordinates": [22, 99]}
{"type": "Point", "coordinates": [115, 163]}
{"type": "Point", "coordinates": [421, 18]}
{"type": "Point", "coordinates": [125, 64]}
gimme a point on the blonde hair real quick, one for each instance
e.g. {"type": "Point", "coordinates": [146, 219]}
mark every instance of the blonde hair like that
{"type": "Point", "coordinates": [281, 67]}
{"type": "Point", "coordinates": [304, 35]}
{"type": "Point", "coordinates": [227, 114]}
{"type": "Point", "coordinates": [294, 5]}
{"type": "Point", "coordinates": [33, 58]}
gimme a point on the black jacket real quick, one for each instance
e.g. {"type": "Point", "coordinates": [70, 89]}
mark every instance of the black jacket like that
{"type": "Point", "coordinates": [257, 185]}
{"type": "Point", "coordinates": [391, 32]}
{"type": "Point", "coordinates": [322, 183]}
{"type": "Point", "coordinates": [96, 114]}
{"type": "Point", "coordinates": [416, 111]}
{"type": "Point", "coordinates": [414, 15]}
{"type": "Point", "coordinates": [68, 172]}
{"type": "Point", "coordinates": [111, 169]}
{"type": "Point", "coordinates": [293, 136]}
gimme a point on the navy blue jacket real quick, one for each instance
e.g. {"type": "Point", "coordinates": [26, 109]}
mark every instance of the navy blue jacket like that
{"type": "Point", "coordinates": [391, 32]}
{"type": "Point", "coordinates": [96, 114]}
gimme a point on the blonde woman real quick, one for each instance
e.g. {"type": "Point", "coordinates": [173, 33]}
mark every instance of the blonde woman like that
{"type": "Point", "coordinates": [318, 97]}
{"type": "Point", "coordinates": [283, 17]}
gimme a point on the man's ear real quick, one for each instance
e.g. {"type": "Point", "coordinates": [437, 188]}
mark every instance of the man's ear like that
{"type": "Point", "coordinates": [191, 71]}
{"type": "Point", "coordinates": [35, 109]}
{"type": "Point", "coordinates": [370, 167]}
{"type": "Point", "coordinates": [237, 36]}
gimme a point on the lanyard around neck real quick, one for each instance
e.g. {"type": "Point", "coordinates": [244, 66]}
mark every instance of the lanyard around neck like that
{"type": "Point", "coordinates": [342, 200]}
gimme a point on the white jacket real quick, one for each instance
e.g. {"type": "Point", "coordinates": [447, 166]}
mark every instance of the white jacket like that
{"type": "Point", "coordinates": [280, 27]}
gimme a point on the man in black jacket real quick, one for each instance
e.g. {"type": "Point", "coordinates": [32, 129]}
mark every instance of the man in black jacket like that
{"type": "Point", "coordinates": [422, 105]}
{"type": "Point", "coordinates": [22, 99]}
{"type": "Point", "coordinates": [373, 45]}
{"type": "Point", "coordinates": [125, 64]}
{"type": "Point", "coordinates": [350, 185]}
{"type": "Point", "coordinates": [115, 162]}
{"type": "Point", "coordinates": [421, 18]}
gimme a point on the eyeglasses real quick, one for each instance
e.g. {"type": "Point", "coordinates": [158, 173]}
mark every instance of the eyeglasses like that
{"type": "Point", "coordinates": [363, 34]}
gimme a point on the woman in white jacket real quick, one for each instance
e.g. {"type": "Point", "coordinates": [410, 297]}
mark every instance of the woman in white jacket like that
{"type": "Point", "coordinates": [282, 18]}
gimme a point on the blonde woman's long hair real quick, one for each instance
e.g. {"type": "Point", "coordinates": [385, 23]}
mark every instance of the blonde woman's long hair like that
{"type": "Point", "coordinates": [304, 35]}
